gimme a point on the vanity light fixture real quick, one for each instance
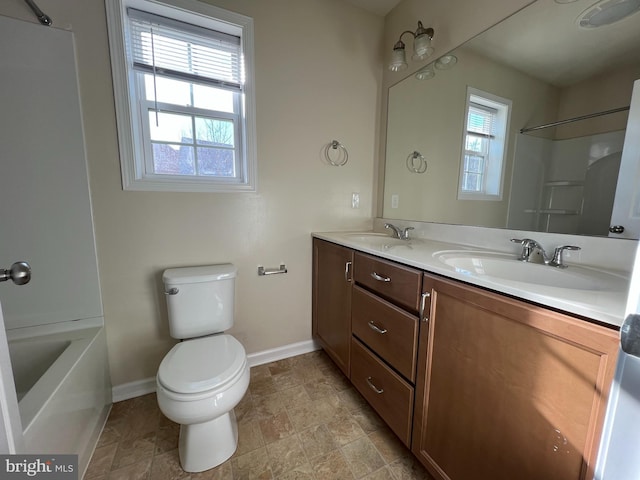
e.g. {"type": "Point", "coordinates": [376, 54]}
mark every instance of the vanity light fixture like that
{"type": "Point", "coordinates": [421, 48]}
{"type": "Point", "coordinates": [426, 73]}
{"type": "Point", "coordinates": [446, 62]}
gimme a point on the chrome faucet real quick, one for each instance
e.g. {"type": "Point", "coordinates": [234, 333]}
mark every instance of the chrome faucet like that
{"type": "Point", "coordinates": [533, 252]}
{"type": "Point", "coordinates": [556, 261]}
{"type": "Point", "coordinates": [402, 234]}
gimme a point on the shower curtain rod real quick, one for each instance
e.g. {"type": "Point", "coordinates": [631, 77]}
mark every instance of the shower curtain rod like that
{"type": "Point", "coordinates": [42, 17]}
{"type": "Point", "coordinates": [575, 119]}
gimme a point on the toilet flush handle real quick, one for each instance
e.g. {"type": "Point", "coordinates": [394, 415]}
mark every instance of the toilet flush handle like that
{"type": "Point", "coordinates": [172, 291]}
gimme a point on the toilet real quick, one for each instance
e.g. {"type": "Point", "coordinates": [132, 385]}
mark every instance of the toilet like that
{"type": "Point", "coordinates": [204, 376]}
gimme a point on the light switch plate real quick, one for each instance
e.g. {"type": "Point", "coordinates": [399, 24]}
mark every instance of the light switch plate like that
{"type": "Point", "coordinates": [355, 200]}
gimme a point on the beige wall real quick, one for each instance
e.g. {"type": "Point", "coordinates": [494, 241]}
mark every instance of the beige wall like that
{"type": "Point", "coordinates": [318, 75]}
{"type": "Point", "coordinates": [606, 91]}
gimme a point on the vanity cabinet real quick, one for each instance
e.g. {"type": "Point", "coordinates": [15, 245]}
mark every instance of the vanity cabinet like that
{"type": "Point", "coordinates": [390, 395]}
{"type": "Point", "coordinates": [477, 384]}
{"type": "Point", "coordinates": [384, 324]}
{"type": "Point", "coordinates": [506, 389]}
{"type": "Point", "coordinates": [387, 330]}
{"type": "Point", "coordinates": [392, 281]}
{"type": "Point", "coordinates": [331, 301]}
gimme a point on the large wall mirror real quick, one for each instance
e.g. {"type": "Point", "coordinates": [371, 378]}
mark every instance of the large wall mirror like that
{"type": "Point", "coordinates": [461, 118]}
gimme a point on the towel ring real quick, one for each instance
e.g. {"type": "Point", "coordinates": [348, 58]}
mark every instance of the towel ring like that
{"type": "Point", "coordinates": [341, 157]}
{"type": "Point", "coordinates": [416, 167]}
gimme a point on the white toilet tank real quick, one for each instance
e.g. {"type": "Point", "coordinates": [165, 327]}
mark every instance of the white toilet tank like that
{"type": "Point", "coordinates": [199, 299]}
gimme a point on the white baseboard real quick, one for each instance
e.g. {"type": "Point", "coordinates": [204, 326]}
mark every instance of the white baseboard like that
{"type": "Point", "coordinates": [129, 390]}
{"type": "Point", "coordinates": [138, 388]}
{"type": "Point", "coordinates": [279, 353]}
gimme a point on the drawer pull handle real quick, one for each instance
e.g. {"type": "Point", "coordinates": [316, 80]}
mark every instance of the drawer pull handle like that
{"type": "Point", "coordinates": [376, 328]}
{"type": "Point", "coordinates": [373, 387]}
{"type": "Point", "coordinates": [380, 278]}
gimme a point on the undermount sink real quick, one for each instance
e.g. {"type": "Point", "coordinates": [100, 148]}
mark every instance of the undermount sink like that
{"type": "Point", "coordinates": [507, 267]}
{"type": "Point", "coordinates": [376, 239]}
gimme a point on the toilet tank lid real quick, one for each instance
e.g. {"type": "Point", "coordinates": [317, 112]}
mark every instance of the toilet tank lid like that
{"type": "Point", "coordinates": [209, 273]}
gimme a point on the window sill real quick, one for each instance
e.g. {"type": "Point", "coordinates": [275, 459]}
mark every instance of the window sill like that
{"type": "Point", "coordinates": [479, 196]}
{"type": "Point", "coordinates": [185, 185]}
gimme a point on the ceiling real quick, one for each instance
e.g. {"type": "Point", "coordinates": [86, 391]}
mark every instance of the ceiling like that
{"type": "Point", "coordinates": [545, 41]}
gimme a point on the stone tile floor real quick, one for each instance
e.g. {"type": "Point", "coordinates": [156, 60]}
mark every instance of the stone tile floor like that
{"type": "Point", "coordinates": [300, 419]}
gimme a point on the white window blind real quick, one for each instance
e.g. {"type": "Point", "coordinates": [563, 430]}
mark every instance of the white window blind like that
{"type": "Point", "coordinates": [480, 120]}
{"type": "Point", "coordinates": [179, 50]}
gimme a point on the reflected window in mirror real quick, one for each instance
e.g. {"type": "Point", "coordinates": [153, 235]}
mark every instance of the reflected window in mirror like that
{"type": "Point", "coordinates": [484, 146]}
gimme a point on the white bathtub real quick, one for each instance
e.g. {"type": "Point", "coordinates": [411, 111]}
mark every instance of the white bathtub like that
{"type": "Point", "coordinates": [63, 389]}
{"type": "Point", "coordinates": [31, 358]}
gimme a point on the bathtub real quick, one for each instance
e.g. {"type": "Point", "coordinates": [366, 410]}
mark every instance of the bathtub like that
{"type": "Point", "coordinates": [63, 390]}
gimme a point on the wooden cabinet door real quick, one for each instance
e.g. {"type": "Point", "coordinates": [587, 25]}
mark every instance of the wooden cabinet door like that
{"type": "Point", "coordinates": [507, 390]}
{"type": "Point", "coordinates": [331, 317]}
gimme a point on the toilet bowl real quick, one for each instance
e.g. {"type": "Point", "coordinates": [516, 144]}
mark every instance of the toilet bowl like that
{"type": "Point", "coordinates": [202, 379]}
{"type": "Point", "coordinates": [199, 383]}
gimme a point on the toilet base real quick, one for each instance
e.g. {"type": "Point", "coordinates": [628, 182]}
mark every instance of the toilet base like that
{"type": "Point", "coordinates": [203, 446]}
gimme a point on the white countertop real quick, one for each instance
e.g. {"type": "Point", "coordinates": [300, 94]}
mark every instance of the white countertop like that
{"type": "Point", "coordinates": [605, 303]}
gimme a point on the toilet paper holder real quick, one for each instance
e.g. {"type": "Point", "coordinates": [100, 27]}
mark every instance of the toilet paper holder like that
{"type": "Point", "coordinates": [272, 271]}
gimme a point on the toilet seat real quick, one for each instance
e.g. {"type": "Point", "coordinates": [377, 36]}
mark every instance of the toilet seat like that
{"type": "Point", "coordinates": [202, 364]}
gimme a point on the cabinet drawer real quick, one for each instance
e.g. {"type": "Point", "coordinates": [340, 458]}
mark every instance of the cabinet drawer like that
{"type": "Point", "coordinates": [385, 390]}
{"type": "Point", "coordinates": [396, 283]}
{"type": "Point", "coordinates": [387, 330]}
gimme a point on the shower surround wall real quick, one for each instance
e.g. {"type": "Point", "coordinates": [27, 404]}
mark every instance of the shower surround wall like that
{"type": "Point", "coordinates": [54, 323]}
{"type": "Point", "coordinates": [570, 183]}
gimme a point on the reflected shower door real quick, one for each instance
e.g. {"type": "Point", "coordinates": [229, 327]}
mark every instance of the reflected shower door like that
{"type": "Point", "coordinates": [626, 207]}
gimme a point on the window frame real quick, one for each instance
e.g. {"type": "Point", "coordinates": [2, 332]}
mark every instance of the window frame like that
{"type": "Point", "coordinates": [146, 106]}
{"type": "Point", "coordinates": [495, 159]}
{"type": "Point", "coordinates": [131, 116]}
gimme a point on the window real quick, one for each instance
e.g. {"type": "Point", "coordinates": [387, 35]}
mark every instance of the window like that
{"type": "Point", "coordinates": [184, 95]}
{"type": "Point", "coordinates": [484, 146]}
